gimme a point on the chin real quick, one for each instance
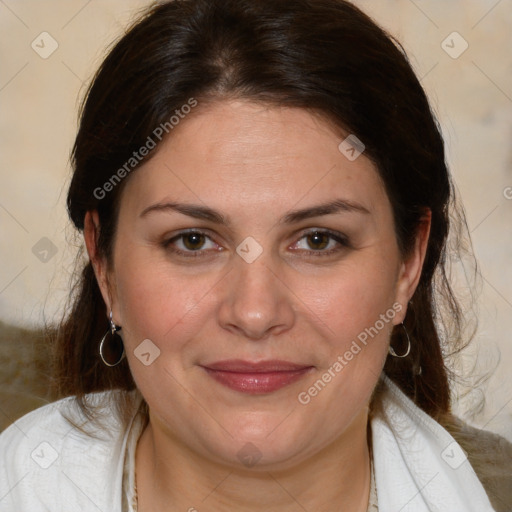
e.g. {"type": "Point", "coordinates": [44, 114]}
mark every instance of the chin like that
{"type": "Point", "coordinates": [260, 447]}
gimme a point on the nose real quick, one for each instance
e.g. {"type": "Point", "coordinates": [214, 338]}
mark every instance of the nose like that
{"type": "Point", "coordinates": [256, 303]}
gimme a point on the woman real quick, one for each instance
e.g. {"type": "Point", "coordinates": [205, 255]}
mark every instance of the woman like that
{"type": "Point", "coordinates": [264, 200]}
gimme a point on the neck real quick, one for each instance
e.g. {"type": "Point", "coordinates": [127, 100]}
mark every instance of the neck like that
{"type": "Point", "coordinates": [172, 477]}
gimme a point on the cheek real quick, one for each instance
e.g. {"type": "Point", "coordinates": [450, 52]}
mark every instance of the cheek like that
{"type": "Point", "coordinates": [355, 310]}
{"type": "Point", "coordinates": [154, 302]}
{"type": "Point", "coordinates": [354, 297]}
{"type": "Point", "coordinates": [169, 309]}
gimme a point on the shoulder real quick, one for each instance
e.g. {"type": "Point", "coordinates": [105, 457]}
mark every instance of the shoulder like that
{"type": "Point", "coordinates": [475, 464]}
{"type": "Point", "coordinates": [43, 427]}
{"type": "Point", "coordinates": [56, 452]}
{"type": "Point", "coordinates": [490, 455]}
{"type": "Point", "coordinates": [59, 422]}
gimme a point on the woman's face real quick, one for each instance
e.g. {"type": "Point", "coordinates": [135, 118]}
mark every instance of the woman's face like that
{"type": "Point", "coordinates": [252, 236]}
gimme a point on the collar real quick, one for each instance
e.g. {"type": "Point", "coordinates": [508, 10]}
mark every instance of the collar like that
{"type": "Point", "coordinates": [419, 467]}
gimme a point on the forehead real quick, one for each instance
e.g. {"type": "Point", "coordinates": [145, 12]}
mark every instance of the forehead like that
{"type": "Point", "coordinates": [248, 155]}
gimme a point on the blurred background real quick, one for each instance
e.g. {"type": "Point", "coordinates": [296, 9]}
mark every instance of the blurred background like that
{"type": "Point", "coordinates": [49, 50]}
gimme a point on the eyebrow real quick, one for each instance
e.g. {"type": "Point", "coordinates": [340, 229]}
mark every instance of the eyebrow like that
{"type": "Point", "coordinates": [294, 216]}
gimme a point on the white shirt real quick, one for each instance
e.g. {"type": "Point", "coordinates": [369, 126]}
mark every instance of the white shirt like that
{"type": "Point", "coordinates": [46, 464]}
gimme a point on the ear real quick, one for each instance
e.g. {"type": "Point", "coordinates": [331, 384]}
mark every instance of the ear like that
{"type": "Point", "coordinates": [91, 234]}
{"type": "Point", "coordinates": [411, 267]}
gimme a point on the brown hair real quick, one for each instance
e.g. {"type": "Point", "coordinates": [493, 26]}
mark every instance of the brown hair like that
{"type": "Point", "coordinates": [325, 56]}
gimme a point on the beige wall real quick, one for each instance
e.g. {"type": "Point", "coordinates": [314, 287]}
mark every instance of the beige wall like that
{"type": "Point", "coordinates": [472, 95]}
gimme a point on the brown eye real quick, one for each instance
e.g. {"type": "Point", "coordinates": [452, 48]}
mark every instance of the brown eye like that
{"type": "Point", "coordinates": [321, 243]}
{"type": "Point", "coordinates": [191, 244]}
{"type": "Point", "coordinates": [193, 241]}
{"type": "Point", "coordinates": [318, 240]}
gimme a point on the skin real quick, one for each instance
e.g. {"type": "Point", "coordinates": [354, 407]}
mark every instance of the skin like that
{"type": "Point", "coordinates": [254, 164]}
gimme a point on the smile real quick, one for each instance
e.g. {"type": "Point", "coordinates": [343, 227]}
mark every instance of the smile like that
{"type": "Point", "coordinates": [256, 379]}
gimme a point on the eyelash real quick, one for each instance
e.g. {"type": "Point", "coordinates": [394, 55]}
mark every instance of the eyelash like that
{"type": "Point", "coordinates": [341, 239]}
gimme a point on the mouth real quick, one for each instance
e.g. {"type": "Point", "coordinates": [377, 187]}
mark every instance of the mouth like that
{"type": "Point", "coordinates": [256, 378]}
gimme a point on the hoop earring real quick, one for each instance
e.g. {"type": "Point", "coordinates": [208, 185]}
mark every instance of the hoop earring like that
{"type": "Point", "coordinates": [392, 351]}
{"type": "Point", "coordinates": [112, 353]}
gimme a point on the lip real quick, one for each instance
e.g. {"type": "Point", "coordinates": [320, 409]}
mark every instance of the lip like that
{"type": "Point", "coordinates": [241, 366]}
{"type": "Point", "coordinates": [256, 378]}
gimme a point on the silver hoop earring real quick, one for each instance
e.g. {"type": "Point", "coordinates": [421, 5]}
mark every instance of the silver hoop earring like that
{"type": "Point", "coordinates": [112, 353]}
{"type": "Point", "coordinates": [391, 350]}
